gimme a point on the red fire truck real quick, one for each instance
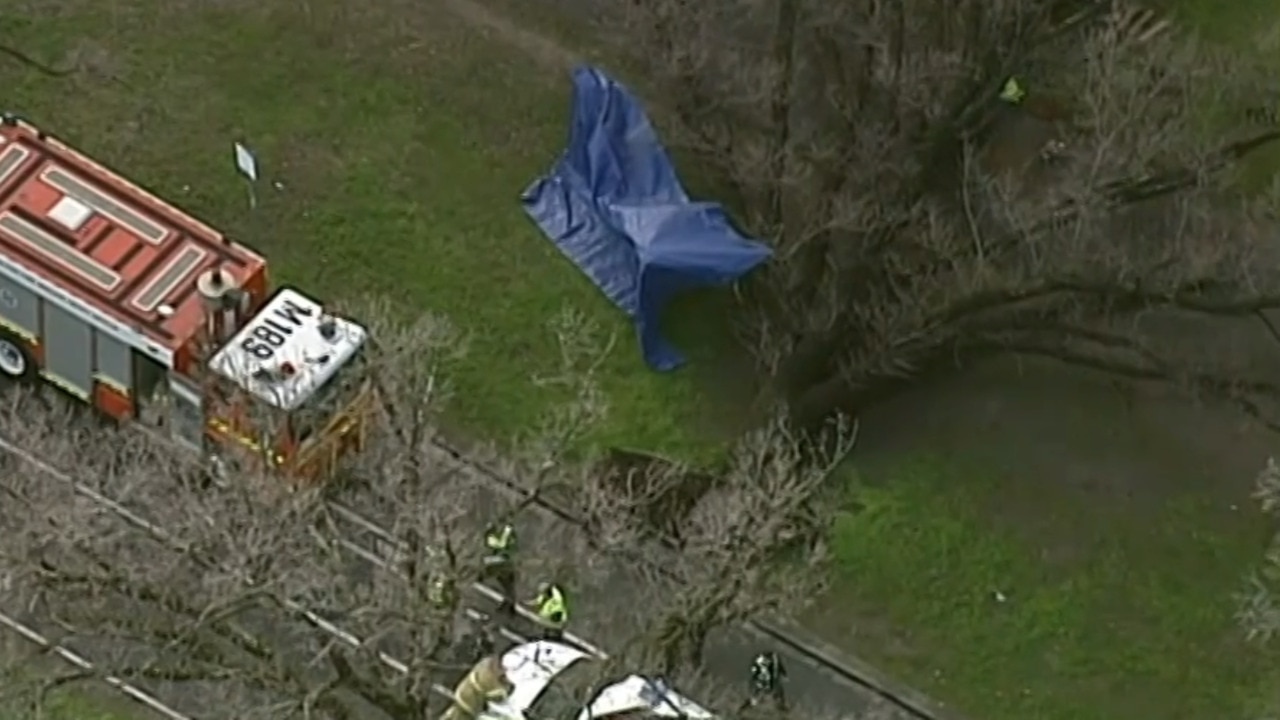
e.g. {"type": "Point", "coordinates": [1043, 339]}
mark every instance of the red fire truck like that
{"type": "Point", "coordinates": [131, 305]}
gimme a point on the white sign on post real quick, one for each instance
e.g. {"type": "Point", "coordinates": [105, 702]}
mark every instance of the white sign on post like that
{"type": "Point", "coordinates": [247, 164]}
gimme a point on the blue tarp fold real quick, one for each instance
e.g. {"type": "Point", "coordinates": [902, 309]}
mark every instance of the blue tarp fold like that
{"type": "Point", "coordinates": [613, 204]}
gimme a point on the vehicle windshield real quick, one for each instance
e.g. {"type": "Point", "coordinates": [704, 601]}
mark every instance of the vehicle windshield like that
{"type": "Point", "coordinates": [332, 398]}
{"type": "Point", "coordinates": [566, 695]}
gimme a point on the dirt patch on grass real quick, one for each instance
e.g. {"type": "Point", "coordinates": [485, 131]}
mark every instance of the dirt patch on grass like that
{"type": "Point", "coordinates": [537, 46]}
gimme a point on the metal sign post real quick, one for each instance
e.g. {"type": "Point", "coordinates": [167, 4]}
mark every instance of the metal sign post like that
{"type": "Point", "coordinates": [247, 165]}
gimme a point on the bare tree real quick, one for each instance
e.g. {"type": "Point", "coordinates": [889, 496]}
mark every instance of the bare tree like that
{"type": "Point", "coordinates": [747, 543]}
{"type": "Point", "coordinates": [1259, 612]}
{"type": "Point", "coordinates": [1258, 607]}
{"type": "Point", "coordinates": [198, 589]}
{"type": "Point", "coordinates": [920, 221]}
{"type": "Point", "coordinates": [727, 565]}
{"type": "Point", "coordinates": [227, 588]}
{"type": "Point", "coordinates": [248, 598]}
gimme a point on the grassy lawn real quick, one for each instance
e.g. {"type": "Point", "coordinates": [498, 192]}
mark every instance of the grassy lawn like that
{"type": "Point", "coordinates": [1251, 26]}
{"type": "Point", "coordinates": [1070, 557]}
{"type": "Point", "coordinates": [402, 139]}
{"type": "Point", "coordinates": [1034, 547]}
{"type": "Point", "coordinates": [1138, 625]}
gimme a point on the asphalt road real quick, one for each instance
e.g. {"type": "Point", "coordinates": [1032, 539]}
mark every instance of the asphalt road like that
{"type": "Point", "coordinates": [610, 608]}
{"type": "Point", "coordinates": [810, 688]}
{"type": "Point", "coordinates": [614, 603]}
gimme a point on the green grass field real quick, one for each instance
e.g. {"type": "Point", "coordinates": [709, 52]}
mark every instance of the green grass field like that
{"type": "Point", "coordinates": [402, 138]}
{"type": "Point", "coordinates": [402, 143]}
{"type": "Point", "coordinates": [1117, 603]}
{"type": "Point", "coordinates": [1029, 544]}
{"type": "Point", "coordinates": [1137, 625]}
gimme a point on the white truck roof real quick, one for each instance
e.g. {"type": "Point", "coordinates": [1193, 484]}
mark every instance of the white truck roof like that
{"type": "Point", "coordinates": [289, 350]}
{"type": "Point", "coordinates": [533, 667]}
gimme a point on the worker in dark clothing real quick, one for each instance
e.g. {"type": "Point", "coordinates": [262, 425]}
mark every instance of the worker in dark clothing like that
{"type": "Point", "coordinates": [767, 677]}
{"type": "Point", "coordinates": [552, 609]}
{"type": "Point", "coordinates": [479, 642]}
{"type": "Point", "coordinates": [499, 564]}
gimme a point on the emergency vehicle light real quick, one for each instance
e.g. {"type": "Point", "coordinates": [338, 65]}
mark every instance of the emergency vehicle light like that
{"type": "Point", "coordinates": [328, 328]}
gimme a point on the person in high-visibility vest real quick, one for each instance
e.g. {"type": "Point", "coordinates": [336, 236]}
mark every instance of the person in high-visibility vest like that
{"type": "Point", "coordinates": [442, 594]}
{"type": "Point", "coordinates": [499, 564]}
{"type": "Point", "coordinates": [442, 599]}
{"type": "Point", "coordinates": [552, 609]}
{"type": "Point", "coordinates": [486, 683]}
{"type": "Point", "coordinates": [1012, 92]}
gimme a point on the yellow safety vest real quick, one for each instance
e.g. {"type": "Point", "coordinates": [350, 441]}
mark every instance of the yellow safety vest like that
{"type": "Point", "coordinates": [1012, 91]}
{"type": "Point", "coordinates": [500, 540]}
{"type": "Point", "coordinates": [440, 592]}
{"type": "Point", "coordinates": [552, 608]}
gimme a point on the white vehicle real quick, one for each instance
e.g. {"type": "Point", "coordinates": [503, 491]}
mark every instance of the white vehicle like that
{"type": "Point", "coordinates": [553, 680]}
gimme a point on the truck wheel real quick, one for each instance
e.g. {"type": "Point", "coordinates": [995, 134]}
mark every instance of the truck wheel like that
{"type": "Point", "coordinates": [16, 362]}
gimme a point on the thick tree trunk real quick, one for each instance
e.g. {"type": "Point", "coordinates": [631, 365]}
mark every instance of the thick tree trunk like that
{"type": "Point", "coordinates": [784, 41]}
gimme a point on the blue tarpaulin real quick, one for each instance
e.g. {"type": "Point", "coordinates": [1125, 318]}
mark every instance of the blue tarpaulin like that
{"type": "Point", "coordinates": [612, 203]}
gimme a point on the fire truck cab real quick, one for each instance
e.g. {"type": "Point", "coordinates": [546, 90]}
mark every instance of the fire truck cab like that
{"type": "Point", "coordinates": [296, 370]}
{"type": "Point", "coordinates": [133, 306]}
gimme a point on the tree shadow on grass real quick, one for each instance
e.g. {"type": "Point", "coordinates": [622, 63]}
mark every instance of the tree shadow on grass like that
{"type": "Point", "coordinates": [700, 324]}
